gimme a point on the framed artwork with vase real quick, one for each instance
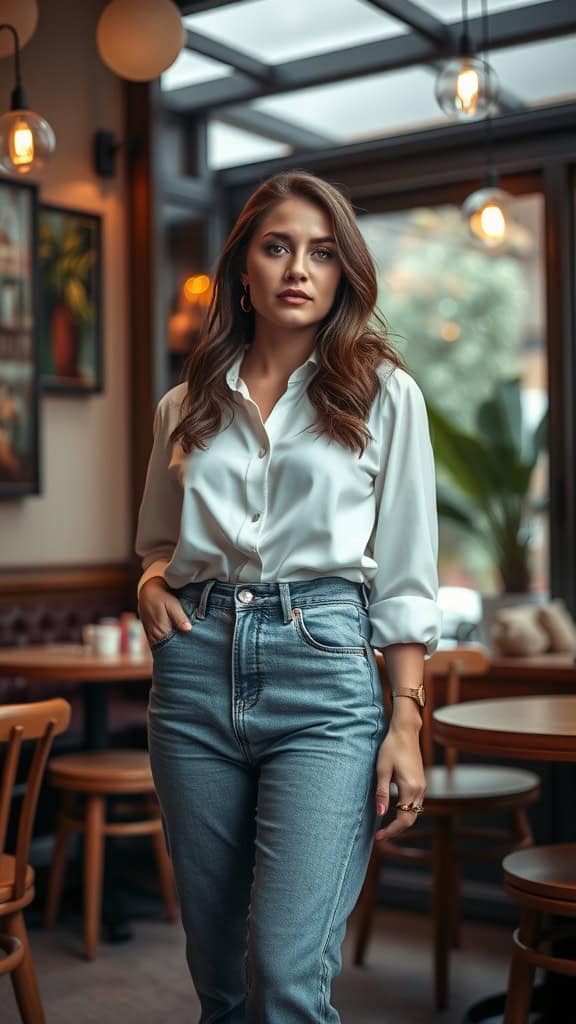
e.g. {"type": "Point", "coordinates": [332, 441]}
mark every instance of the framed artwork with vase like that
{"type": "Point", "coordinates": [70, 303]}
{"type": "Point", "coordinates": [18, 339]}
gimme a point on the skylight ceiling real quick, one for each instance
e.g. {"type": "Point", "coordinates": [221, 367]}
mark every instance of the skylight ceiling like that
{"type": "Point", "coordinates": [275, 31]}
{"type": "Point", "coordinates": [312, 74]}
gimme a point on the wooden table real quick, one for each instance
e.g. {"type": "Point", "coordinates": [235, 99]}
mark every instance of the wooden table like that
{"type": "Point", "coordinates": [539, 728]}
{"type": "Point", "coordinates": [535, 728]}
{"type": "Point", "coordinates": [71, 663]}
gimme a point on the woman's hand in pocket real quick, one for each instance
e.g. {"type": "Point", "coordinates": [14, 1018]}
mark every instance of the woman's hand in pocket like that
{"type": "Point", "coordinates": [160, 611]}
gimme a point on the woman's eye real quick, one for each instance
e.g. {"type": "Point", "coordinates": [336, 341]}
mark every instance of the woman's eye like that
{"type": "Point", "coordinates": [274, 245]}
{"type": "Point", "coordinates": [326, 253]}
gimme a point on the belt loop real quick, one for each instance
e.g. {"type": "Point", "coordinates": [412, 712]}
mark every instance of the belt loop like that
{"type": "Point", "coordinates": [365, 595]}
{"type": "Point", "coordinates": [284, 589]}
{"type": "Point", "coordinates": [201, 610]}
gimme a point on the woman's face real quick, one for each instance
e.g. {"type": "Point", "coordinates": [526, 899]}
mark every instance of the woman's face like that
{"type": "Point", "coordinates": [293, 248]}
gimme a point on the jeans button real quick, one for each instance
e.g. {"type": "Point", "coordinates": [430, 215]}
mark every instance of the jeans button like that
{"type": "Point", "coordinates": [245, 596]}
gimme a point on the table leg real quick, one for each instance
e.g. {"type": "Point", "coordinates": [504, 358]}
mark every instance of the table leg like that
{"type": "Point", "coordinates": [114, 914]}
{"type": "Point", "coordinates": [95, 716]}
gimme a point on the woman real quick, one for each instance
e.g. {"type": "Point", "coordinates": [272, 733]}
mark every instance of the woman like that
{"type": "Point", "coordinates": [288, 523]}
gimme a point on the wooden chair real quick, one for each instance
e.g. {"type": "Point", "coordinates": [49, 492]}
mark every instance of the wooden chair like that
{"type": "Point", "coordinates": [19, 723]}
{"type": "Point", "coordinates": [543, 881]}
{"type": "Point", "coordinates": [87, 780]}
{"type": "Point", "coordinates": [453, 792]}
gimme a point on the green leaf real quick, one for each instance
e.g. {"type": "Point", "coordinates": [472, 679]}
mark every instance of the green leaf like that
{"type": "Point", "coordinates": [499, 418]}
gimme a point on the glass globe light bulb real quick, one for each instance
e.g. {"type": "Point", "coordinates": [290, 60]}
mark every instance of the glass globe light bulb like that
{"type": "Point", "coordinates": [26, 141]}
{"type": "Point", "coordinates": [467, 88]}
{"type": "Point", "coordinates": [487, 213]}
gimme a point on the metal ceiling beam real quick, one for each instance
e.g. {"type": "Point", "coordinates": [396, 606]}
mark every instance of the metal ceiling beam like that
{"type": "Point", "coordinates": [439, 33]}
{"type": "Point", "coordinates": [457, 145]}
{"type": "Point", "coordinates": [243, 62]}
{"type": "Point", "coordinates": [275, 128]}
{"type": "Point", "coordinates": [199, 6]}
{"type": "Point", "coordinates": [369, 58]}
{"type": "Point", "coordinates": [418, 19]}
{"type": "Point", "coordinates": [507, 28]}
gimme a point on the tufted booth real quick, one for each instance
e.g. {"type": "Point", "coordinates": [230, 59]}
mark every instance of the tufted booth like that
{"type": "Point", "coordinates": [53, 608]}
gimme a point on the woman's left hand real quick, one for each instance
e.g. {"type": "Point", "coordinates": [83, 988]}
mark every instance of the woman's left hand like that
{"type": "Point", "coordinates": [399, 761]}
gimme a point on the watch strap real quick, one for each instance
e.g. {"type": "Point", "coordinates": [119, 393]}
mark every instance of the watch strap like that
{"type": "Point", "coordinates": [417, 693]}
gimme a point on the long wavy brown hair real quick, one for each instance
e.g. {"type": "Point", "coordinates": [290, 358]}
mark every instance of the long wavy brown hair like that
{"type": "Point", "coordinates": [351, 341]}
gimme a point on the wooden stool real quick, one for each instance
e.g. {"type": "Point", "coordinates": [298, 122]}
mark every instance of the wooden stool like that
{"type": "Point", "coordinates": [543, 881]}
{"type": "Point", "coordinates": [95, 776]}
{"type": "Point", "coordinates": [453, 792]}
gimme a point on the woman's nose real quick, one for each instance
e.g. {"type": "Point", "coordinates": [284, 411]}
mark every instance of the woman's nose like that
{"type": "Point", "coordinates": [297, 266]}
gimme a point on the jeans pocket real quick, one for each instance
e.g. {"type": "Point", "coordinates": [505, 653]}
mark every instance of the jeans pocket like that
{"type": "Point", "coordinates": [190, 611]}
{"type": "Point", "coordinates": [330, 628]}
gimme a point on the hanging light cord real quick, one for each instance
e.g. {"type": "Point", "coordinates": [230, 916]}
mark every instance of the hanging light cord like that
{"type": "Point", "coordinates": [16, 53]}
{"type": "Point", "coordinates": [18, 97]}
{"type": "Point", "coordinates": [465, 45]}
{"type": "Point", "coordinates": [485, 53]}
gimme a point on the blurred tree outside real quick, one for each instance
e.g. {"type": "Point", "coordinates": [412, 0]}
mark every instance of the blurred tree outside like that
{"type": "Point", "coordinates": [457, 314]}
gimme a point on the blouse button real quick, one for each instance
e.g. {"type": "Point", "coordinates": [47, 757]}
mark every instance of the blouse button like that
{"type": "Point", "coordinates": [256, 517]}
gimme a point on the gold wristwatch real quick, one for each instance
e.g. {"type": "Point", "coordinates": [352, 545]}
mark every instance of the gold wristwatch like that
{"type": "Point", "coordinates": [418, 694]}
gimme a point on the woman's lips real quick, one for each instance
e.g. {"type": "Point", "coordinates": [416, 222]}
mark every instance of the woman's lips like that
{"type": "Point", "coordinates": [293, 300]}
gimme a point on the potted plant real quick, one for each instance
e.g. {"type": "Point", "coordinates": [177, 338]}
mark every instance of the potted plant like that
{"type": "Point", "coordinates": [490, 473]}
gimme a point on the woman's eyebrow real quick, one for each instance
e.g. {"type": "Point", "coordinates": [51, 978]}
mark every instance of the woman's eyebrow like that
{"type": "Point", "coordinates": [288, 238]}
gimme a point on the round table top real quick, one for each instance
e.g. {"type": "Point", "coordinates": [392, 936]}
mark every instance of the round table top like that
{"type": "Point", "coordinates": [71, 662]}
{"type": "Point", "coordinates": [535, 728]}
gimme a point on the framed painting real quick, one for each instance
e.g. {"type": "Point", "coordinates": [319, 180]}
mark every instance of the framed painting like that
{"type": "Point", "coordinates": [70, 276]}
{"type": "Point", "coordinates": [18, 339]}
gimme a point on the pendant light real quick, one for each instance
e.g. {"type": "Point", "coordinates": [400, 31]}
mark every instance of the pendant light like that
{"type": "Point", "coordinates": [26, 139]}
{"type": "Point", "coordinates": [467, 87]}
{"type": "Point", "coordinates": [487, 211]}
{"type": "Point", "coordinates": [139, 39]}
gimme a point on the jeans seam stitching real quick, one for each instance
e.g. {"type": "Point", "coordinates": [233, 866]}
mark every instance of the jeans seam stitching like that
{"type": "Point", "coordinates": [309, 640]}
{"type": "Point", "coordinates": [323, 960]}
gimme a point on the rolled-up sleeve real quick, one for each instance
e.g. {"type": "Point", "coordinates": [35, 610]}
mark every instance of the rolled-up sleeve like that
{"type": "Point", "coordinates": [161, 506]}
{"type": "Point", "coordinates": [403, 595]}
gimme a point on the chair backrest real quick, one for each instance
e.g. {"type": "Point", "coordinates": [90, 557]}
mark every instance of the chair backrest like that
{"type": "Point", "coordinates": [456, 664]}
{"type": "Point", "coordinates": [19, 723]}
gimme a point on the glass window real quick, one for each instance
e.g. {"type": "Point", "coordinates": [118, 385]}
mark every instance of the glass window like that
{"type": "Point", "coordinates": [362, 108]}
{"type": "Point", "coordinates": [229, 146]}
{"type": "Point", "coordinates": [189, 68]}
{"type": "Point", "coordinates": [451, 10]}
{"type": "Point", "coordinates": [556, 63]}
{"type": "Point", "coordinates": [465, 318]}
{"type": "Point", "coordinates": [275, 31]}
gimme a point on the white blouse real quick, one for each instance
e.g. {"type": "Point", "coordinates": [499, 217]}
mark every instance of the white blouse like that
{"type": "Point", "coordinates": [267, 501]}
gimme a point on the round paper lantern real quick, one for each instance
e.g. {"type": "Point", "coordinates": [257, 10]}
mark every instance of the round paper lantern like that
{"type": "Point", "coordinates": [23, 15]}
{"type": "Point", "coordinates": [138, 39]}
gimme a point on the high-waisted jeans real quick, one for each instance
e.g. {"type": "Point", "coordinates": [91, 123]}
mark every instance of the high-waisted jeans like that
{"type": "Point", "coordinates": [264, 726]}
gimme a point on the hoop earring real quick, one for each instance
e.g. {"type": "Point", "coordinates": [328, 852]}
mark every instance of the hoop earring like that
{"type": "Point", "coordinates": [245, 298]}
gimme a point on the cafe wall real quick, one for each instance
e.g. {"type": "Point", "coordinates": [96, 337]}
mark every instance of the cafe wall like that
{"type": "Point", "coordinates": [81, 516]}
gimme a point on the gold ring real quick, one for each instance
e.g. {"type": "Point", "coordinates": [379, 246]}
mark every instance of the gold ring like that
{"type": "Point", "coordinates": [412, 808]}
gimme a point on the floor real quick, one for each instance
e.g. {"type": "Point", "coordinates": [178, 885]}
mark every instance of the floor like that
{"type": "Point", "coordinates": [145, 980]}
